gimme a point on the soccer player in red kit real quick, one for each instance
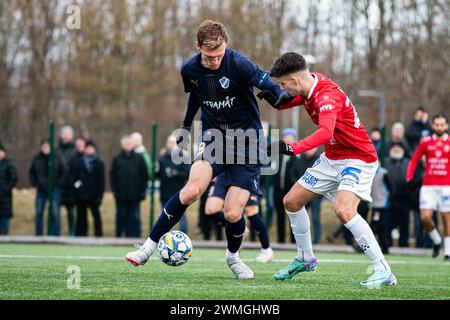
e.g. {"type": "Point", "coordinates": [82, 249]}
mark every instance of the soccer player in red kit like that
{"type": "Point", "coordinates": [343, 173]}
{"type": "Point", "coordinates": [435, 191]}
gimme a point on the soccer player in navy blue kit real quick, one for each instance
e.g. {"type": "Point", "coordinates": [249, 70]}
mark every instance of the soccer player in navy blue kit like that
{"type": "Point", "coordinates": [220, 81]}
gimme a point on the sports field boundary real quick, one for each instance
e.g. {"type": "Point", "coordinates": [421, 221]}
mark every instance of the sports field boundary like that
{"type": "Point", "coordinates": [107, 241]}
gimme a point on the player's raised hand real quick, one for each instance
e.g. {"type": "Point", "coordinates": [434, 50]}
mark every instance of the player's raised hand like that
{"type": "Point", "coordinates": [183, 140]}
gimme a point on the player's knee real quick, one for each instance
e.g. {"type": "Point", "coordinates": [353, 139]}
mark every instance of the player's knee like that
{"type": "Point", "coordinates": [211, 209]}
{"type": "Point", "coordinates": [292, 204]}
{"type": "Point", "coordinates": [190, 194]}
{"type": "Point", "coordinates": [344, 213]}
{"type": "Point", "coordinates": [233, 215]}
{"type": "Point", "coordinates": [208, 211]}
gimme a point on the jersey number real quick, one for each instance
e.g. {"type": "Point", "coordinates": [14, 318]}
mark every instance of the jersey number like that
{"type": "Point", "coordinates": [348, 103]}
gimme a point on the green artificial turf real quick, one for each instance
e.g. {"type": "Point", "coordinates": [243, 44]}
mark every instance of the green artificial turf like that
{"type": "Point", "coordinates": [41, 272]}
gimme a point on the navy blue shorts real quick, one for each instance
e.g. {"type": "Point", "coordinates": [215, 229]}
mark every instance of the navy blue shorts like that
{"type": "Point", "coordinates": [220, 188]}
{"type": "Point", "coordinates": [245, 176]}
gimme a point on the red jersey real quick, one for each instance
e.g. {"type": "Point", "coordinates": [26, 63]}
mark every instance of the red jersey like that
{"type": "Point", "coordinates": [340, 129]}
{"type": "Point", "coordinates": [437, 154]}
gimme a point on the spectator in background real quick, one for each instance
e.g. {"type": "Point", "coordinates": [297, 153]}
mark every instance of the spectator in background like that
{"type": "Point", "coordinates": [283, 180]}
{"type": "Point", "coordinates": [172, 176]}
{"type": "Point", "coordinates": [398, 138]}
{"type": "Point", "coordinates": [418, 128]}
{"type": "Point", "coordinates": [382, 188]}
{"type": "Point", "coordinates": [8, 180]}
{"type": "Point", "coordinates": [396, 165]}
{"type": "Point", "coordinates": [375, 136]}
{"type": "Point", "coordinates": [38, 176]}
{"type": "Point", "coordinates": [67, 151]}
{"type": "Point", "coordinates": [139, 148]}
{"type": "Point", "coordinates": [128, 178]}
{"type": "Point", "coordinates": [80, 145]}
{"type": "Point", "coordinates": [307, 160]}
{"type": "Point", "coordinates": [89, 183]}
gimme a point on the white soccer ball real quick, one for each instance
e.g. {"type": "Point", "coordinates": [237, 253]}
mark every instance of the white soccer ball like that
{"type": "Point", "coordinates": [175, 248]}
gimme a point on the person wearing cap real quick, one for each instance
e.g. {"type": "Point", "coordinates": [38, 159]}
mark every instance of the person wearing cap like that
{"type": "Point", "coordinates": [8, 180]}
{"type": "Point", "coordinates": [89, 184]}
{"type": "Point", "coordinates": [283, 180]}
{"type": "Point", "coordinates": [38, 175]}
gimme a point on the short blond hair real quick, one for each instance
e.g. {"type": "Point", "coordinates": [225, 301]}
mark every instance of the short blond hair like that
{"type": "Point", "coordinates": [211, 34]}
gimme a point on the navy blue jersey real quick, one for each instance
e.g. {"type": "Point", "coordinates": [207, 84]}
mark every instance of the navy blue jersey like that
{"type": "Point", "coordinates": [225, 95]}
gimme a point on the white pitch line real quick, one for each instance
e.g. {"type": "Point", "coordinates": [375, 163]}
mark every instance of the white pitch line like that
{"type": "Point", "coordinates": [357, 261]}
{"type": "Point", "coordinates": [18, 256]}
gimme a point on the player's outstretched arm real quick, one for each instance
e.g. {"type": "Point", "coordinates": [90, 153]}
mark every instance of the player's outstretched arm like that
{"type": "Point", "coordinates": [322, 135]}
{"type": "Point", "coordinates": [254, 76]}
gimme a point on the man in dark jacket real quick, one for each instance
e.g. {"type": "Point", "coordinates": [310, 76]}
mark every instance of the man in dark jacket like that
{"type": "Point", "coordinates": [376, 137]}
{"type": "Point", "coordinates": [172, 176]}
{"type": "Point", "coordinates": [8, 179]}
{"type": "Point", "coordinates": [89, 183]}
{"type": "Point", "coordinates": [67, 151]}
{"type": "Point", "coordinates": [283, 180]}
{"type": "Point", "coordinates": [80, 146]}
{"type": "Point", "coordinates": [38, 176]}
{"type": "Point", "coordinates": [396, 164]}
{"type": "Point", "coordinates": [418, 128]}
{"type": "Point", "coordinates": [129, 178]}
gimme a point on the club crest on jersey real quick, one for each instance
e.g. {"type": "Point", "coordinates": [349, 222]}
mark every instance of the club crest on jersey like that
{"type": "Point", "coordinates": [225, 82]}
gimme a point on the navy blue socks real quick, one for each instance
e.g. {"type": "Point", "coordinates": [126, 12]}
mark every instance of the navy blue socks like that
{"type": "Point", "coordinates": [258, 224]}
{"type": "Point", "coordinates": [235, 234]}
{"type": "Point", "coordinates": [172, 213]}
